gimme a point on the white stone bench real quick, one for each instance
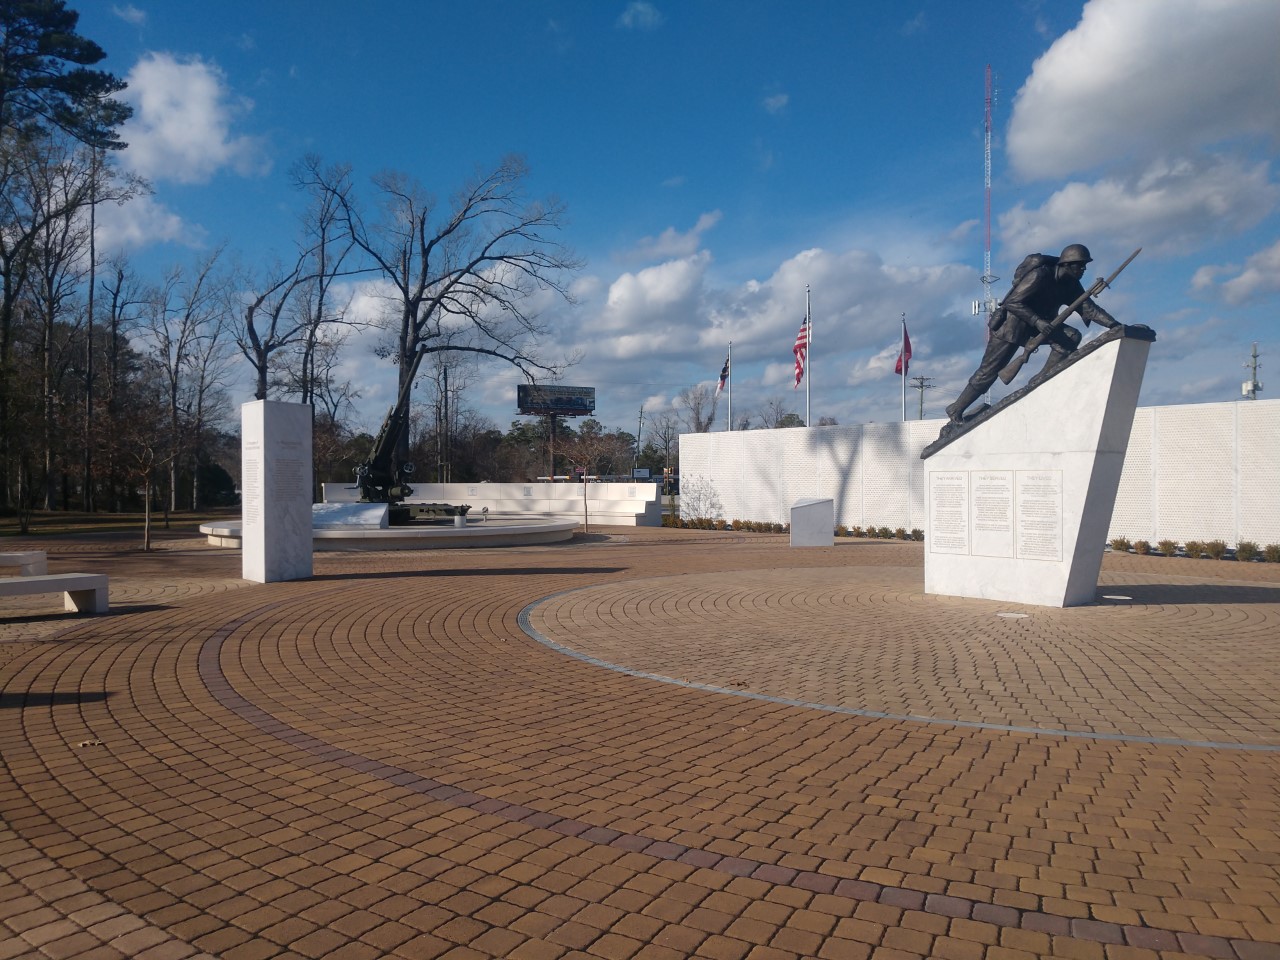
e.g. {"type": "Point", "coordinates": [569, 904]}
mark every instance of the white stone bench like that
{"type": "Point", "coordinates": [29, 562]}
{"type": "Point", "coordinates": [83, 592]}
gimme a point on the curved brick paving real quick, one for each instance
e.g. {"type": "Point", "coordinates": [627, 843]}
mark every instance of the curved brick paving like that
{"type": "Point", "coordinates": [1138, 668]}
{"type": "Point", "coordinates": [380, 762]}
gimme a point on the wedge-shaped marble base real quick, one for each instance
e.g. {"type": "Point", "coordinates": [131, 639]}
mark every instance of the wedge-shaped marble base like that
{"type": "Point", "coordinates": [1019, 504]}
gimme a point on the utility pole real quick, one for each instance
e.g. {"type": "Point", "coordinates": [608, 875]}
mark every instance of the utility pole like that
{"type": "Point", "coordinates": [635, 459]}
{"type": "Point", "coordinates": [1251, 387]}
{"type": "Point", "coordinates": [922, 384]}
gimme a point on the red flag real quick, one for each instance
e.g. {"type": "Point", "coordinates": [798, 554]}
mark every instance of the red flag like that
{"type": "Point", "coordinates": [904, 355]}
{"type": "Point", "coordinates": [801, 349]}
{"type": "Point", "coordinates": [724, 376]}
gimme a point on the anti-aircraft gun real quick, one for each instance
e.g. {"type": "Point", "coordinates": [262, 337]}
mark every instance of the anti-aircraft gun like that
{"type": "Point", "coordinates": [384, 479]}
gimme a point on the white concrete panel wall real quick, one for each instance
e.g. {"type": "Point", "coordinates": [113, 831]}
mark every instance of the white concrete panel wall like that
{"type": "Point", "coordinates": [1192, 472]}
{"type": "Point", "coordinates": [1135, 505]}
{"type": "Point", "coordinates": [1258, 443]}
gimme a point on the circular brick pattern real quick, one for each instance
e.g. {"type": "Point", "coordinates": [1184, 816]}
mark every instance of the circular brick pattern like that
{"type": "Point", "coordinates": [378, 762]}
{"type": "Point", "coordinates": [1154, 667]}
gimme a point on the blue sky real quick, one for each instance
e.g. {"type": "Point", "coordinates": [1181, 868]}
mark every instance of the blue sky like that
{"type": "Point", "coordinates": [717, 157]}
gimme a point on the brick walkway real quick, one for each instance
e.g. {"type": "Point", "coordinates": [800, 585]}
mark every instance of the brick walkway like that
{"type": "Point", "coordinates": [646, 743]}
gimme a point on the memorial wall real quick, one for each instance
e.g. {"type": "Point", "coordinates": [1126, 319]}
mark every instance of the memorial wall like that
{"type": "Point", "coordinates": [1192, 472]}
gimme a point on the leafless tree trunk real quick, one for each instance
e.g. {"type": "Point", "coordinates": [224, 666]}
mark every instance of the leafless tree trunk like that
{"type": "Point", "coordinates": [124, 299]}
{"type": "Point", "coordinates": [58, 247]}
{"type": "Point", "coordinates": [771, 412]}
{"type": "Point", "coordinates": [178, 315]}
{"type": "Point", "coordinates": [697, 405]}
{"type": "Point", "coordinates": [664, 432]}
{"type": "Point", "coordinates": [463, 279]}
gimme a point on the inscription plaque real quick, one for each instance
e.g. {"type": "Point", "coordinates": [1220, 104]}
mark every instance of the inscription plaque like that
{"type": "Point", "coordinates": [948, 512]}
{"type": "Point", "coordinates": [1039, 514]}
{"type": "Point", "coordinates": [992, 511]}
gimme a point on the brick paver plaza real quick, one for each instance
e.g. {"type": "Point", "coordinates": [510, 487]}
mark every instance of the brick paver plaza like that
{"type": "Point", "coordinates": [643, 743]}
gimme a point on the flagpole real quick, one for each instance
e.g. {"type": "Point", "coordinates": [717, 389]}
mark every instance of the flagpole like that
{"type": "Point", "coordinates": [808, 373]}
{"type": "Point", "coordinates": [902, 358]}
{"type": "Point", "coordinates": [729, 384]}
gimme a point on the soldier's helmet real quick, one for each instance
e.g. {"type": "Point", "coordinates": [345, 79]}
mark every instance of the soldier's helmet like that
{"type": "Point", "coordinates": [1075, 253]}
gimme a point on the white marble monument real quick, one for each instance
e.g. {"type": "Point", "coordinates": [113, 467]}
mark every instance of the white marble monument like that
{"type": "Point", "coordinates": [275, 481]}
{"type": "Point", "coordinates": [813, 523]}
{"type": "Point", "coordinates": [1019, 504]}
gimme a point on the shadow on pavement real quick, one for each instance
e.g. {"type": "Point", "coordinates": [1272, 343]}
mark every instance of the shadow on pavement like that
{"type": "Point", "coordinates": [497, 572]}
{"type": "Point", "coordinates": [10, 701]}
{"type": "Point", "coordinates": [1182, 593]}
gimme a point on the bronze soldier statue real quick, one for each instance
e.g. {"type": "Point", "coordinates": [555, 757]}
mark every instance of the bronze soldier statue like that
{"type": "Point", "coordinates": [1041, 285]}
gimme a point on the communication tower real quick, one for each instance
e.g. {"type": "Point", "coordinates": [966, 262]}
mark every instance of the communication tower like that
{"type": "Point", "coordinates": [1251, 387]}
{"type": "Point", "coordinates": [987, 305]}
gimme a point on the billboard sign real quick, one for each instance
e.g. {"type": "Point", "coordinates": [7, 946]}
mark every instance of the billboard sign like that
{"type": "Point", "coordinates": [543, 399]}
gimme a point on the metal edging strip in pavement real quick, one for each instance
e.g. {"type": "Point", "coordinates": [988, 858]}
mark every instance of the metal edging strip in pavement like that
{"type": "Point", "coordinates": [526, 624]}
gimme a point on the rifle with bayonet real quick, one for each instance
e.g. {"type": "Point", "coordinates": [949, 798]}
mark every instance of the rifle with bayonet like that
{"type": "Point", "coordinates": [1016, 364]}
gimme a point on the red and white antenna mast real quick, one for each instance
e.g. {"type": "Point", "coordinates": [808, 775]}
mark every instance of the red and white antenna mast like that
{"type": "Point", "coordinates": [986, 306]}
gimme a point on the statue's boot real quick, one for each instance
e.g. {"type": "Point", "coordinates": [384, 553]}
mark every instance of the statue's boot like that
{"type": "Point", "coordinates": [955, 411]}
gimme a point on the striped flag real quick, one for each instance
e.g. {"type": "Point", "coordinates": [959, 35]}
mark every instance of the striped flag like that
{"type": "Point", "coordinates": [801, 349]}
{"type": "Point", "coordinates": [724, 377]}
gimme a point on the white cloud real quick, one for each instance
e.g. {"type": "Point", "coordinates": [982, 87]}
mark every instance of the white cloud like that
{"type": "Point", "coordinates": [776, 103]}
{"type": "Point", "coordinates": [130, 14]}
{"type": "Point", "coordinates": [672, 243]}
{"type": "Point", "coordinates": [640, 15]}
{"type": "Point", "coordinates": [660, 297]}
{"type": "Point", "coordinates": [1143, 80]}
{"type": "Point", "coordinates": [915, 24]}
{"type": "Point", "coordinates": [181, 127]}
{"type": "Point", "coordinates": [1259, 278]}
{"type": "Point", "coordinates": [1171, 207]}
{"type": "Point", "coordinates": [141, 222]}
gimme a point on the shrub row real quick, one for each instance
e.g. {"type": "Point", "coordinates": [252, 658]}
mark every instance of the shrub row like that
{"type": "Point", "coordinates": [880, 533]}
{"type": "Point", "coordinates": [764, 526]}
{"type": "Point", "coordinates": [1246, 550]}
{"type": "Point", "coordinates": [707, 523]}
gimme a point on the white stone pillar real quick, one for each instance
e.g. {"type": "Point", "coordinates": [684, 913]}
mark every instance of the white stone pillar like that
{"type": "Point", "coordinates": [275, 491]}
{"type": "Point", "coordinates": [1019, 504]}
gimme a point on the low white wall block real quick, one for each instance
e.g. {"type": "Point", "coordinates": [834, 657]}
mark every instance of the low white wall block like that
{"type": "Point", "coordinates": [813, 523]}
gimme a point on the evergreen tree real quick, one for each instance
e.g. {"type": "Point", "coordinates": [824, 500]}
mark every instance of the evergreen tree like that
{"type": "Point", "coordinates": [46, 82]}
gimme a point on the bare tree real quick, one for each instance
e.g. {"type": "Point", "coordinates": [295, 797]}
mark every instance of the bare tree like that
{"type": "Point", "coordinates": [465, 279]}
{"type": "Point", "coordinates": [328, 245]}
{"type": "Point", "coordinates": [56, 271]}
{"type": "Point", "coordinates": [204, 399]}
{"type": "Point", "coordinates": [596, 451]}
{"type": "Point", "coordinates": [184, 310]}
{"type": "Point", "coordinates": [124, 300]}
{"type": "Point", "coordinates": [775, 414]}
{"type": "Point", "coordinates": [664, 433]}
{"type": "Point", "coordinates": [265, 325]}
{"type": "Point", "coordinates": [146, 447]}
{"type": "Point", "coordinates": [697, 406]}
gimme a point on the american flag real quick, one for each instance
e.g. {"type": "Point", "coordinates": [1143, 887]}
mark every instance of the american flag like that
{"type": "Point", "coordinates": [801, 349]}
{"type": "Point", "coordinates": [724, 376]}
